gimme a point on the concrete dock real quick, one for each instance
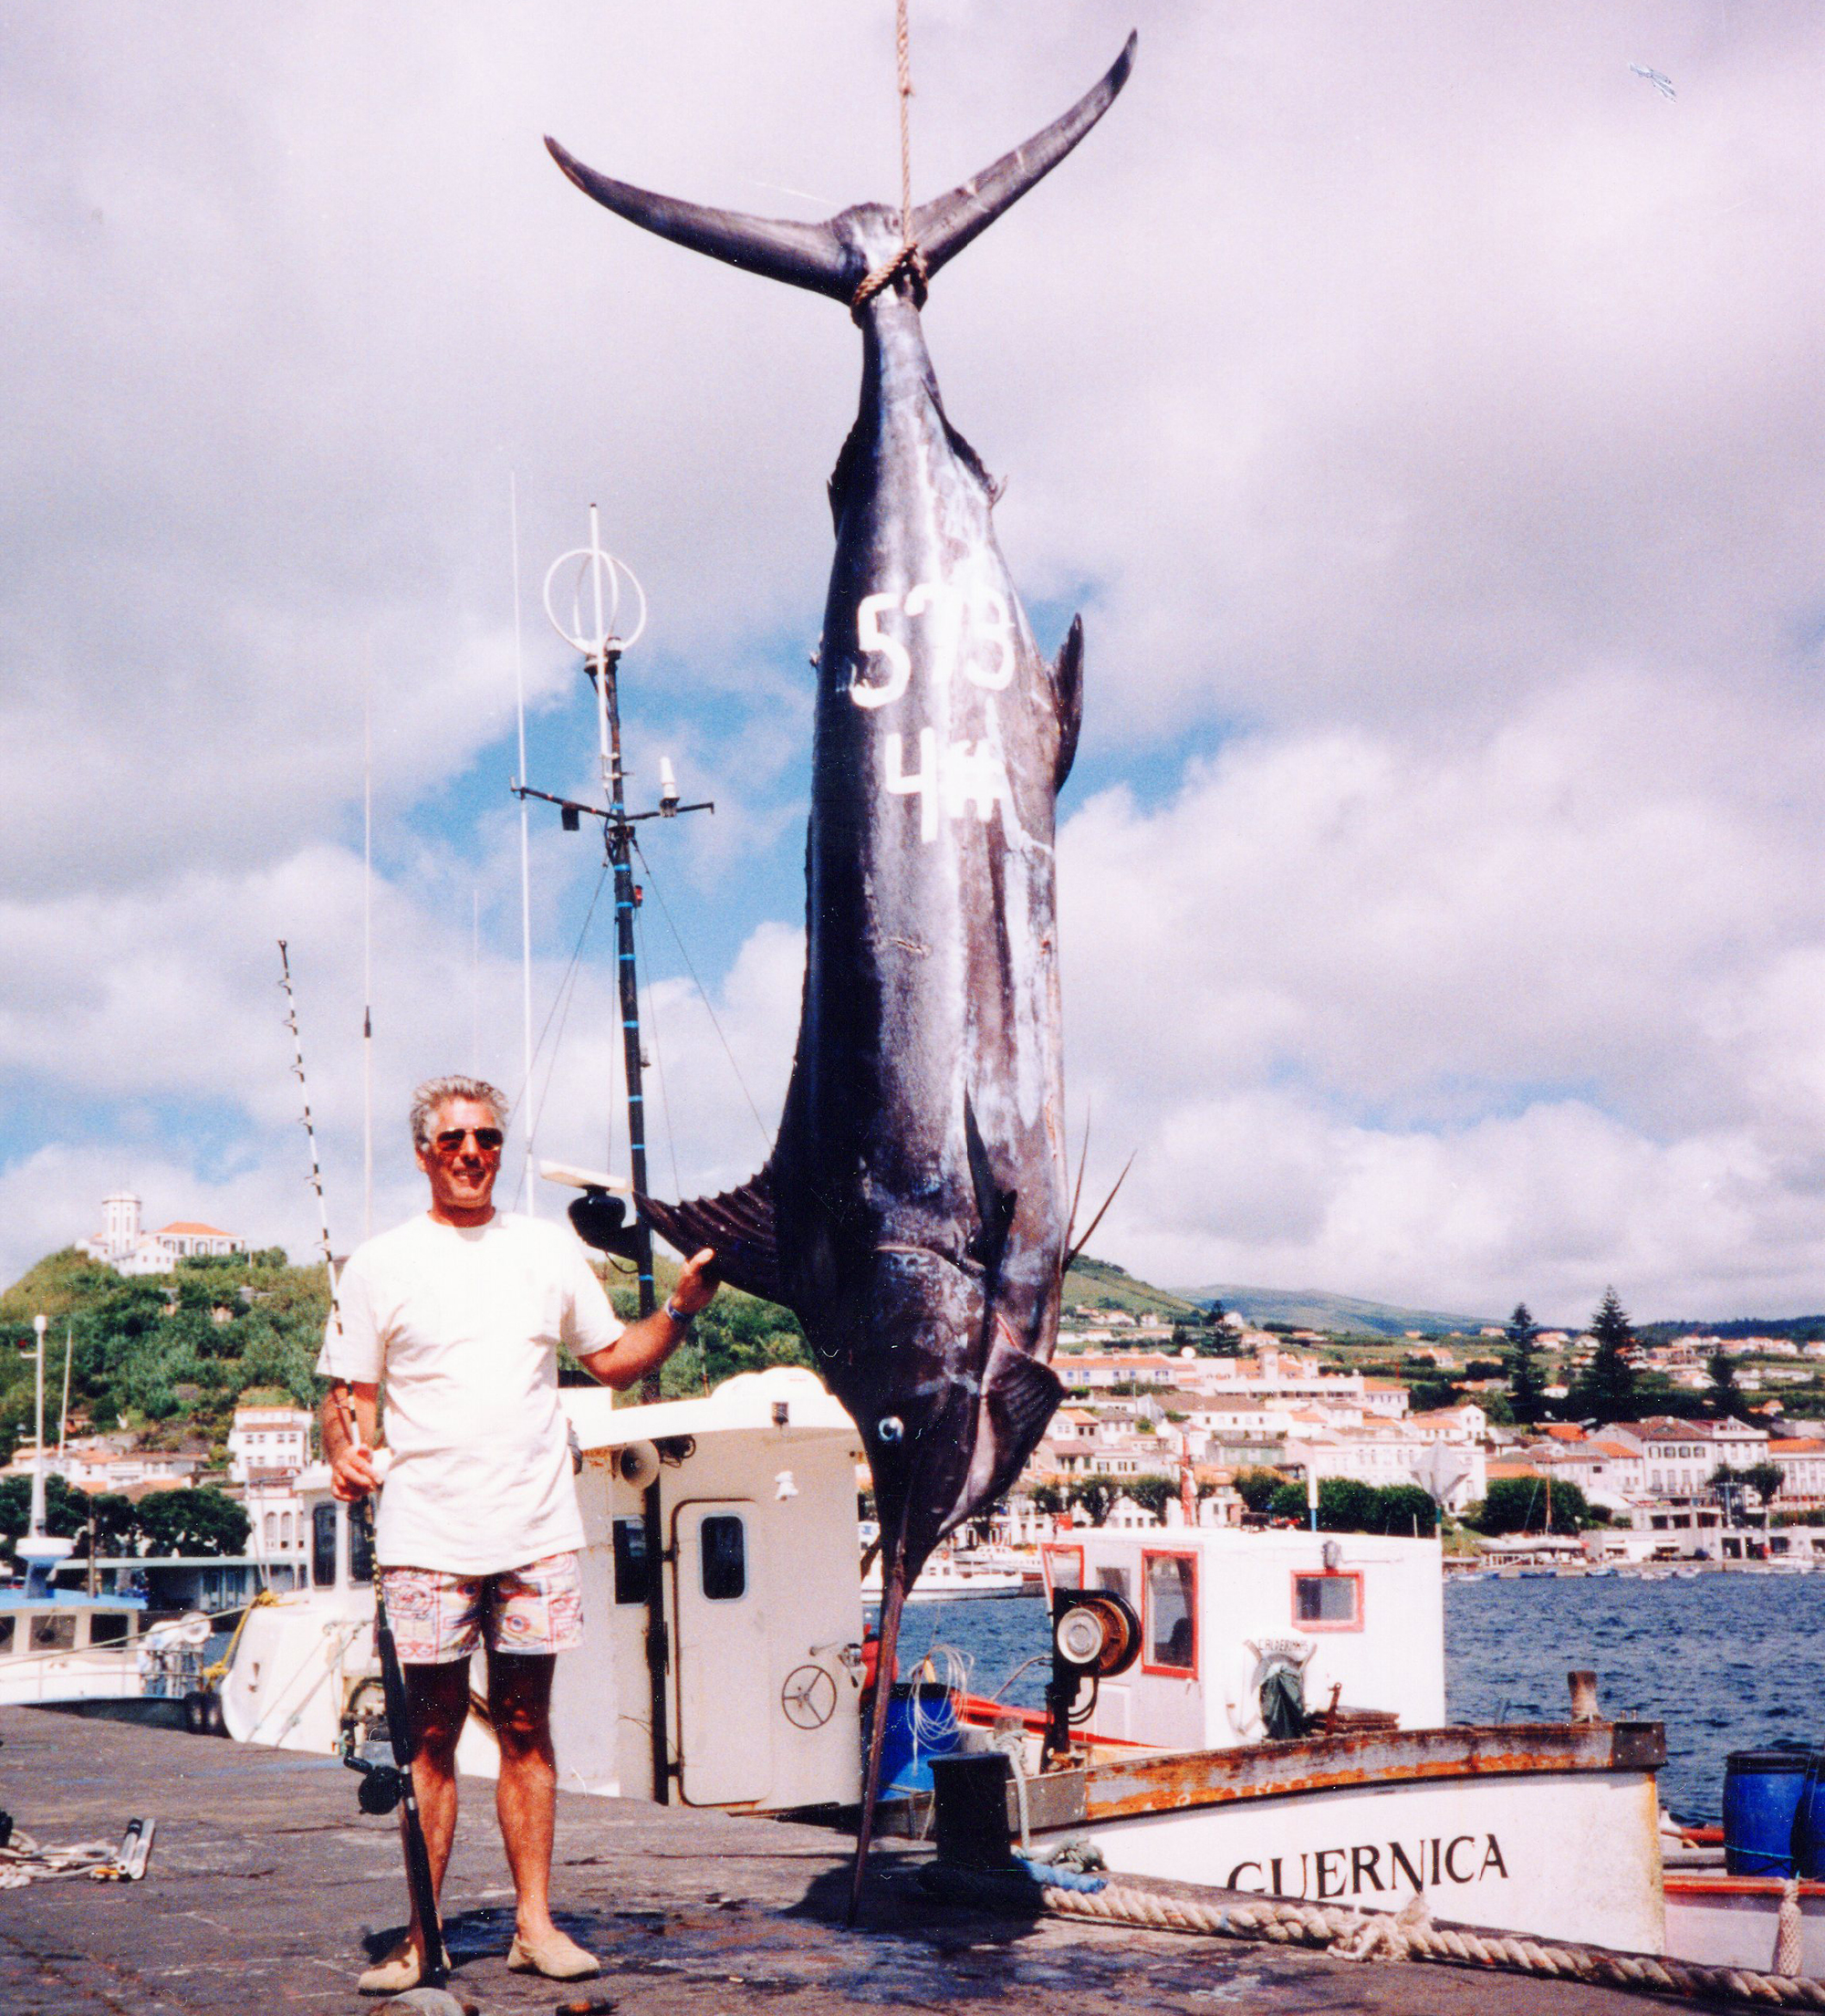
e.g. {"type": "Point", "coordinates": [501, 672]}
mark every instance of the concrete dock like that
{"type": "Point", "coordinates": [267, 1892]}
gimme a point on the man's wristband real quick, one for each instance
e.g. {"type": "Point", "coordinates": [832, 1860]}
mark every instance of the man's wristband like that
{"type": "Point", "coordinates": [676, 1316]}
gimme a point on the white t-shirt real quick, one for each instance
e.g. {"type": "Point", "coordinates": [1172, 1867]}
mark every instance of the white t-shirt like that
{"type": "Point", "coordinates": [464, 1323]}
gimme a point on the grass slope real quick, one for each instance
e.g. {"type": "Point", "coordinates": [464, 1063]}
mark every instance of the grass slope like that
{"type": "Point", "coordinates": [1313, 1309]}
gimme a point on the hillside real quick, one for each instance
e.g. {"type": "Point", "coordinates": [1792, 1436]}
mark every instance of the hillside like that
{"type": "Point", "coordinates": [1313, 1309]}
{"type": "Point", "coordinates": [1101, 1284]}
{"type": "Point", "coordinates": [171, 1355]}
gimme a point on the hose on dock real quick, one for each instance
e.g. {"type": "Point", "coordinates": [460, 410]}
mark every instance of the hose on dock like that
{"type": "Point", "coordinates": [1353, 1935]}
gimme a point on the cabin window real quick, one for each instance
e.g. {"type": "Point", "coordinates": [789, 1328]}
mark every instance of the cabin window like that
{"type": "Point", "coordinates": [360, 1555]}
{"type": "Point", "coordinates": [1327, 1602]}
{"type": "Point", "coordinates": [724, 1545]}
{"type": "Point", "coordinates": [5, 1634]}
{"type": "Point", "coordinates": [108, 1628]}
{"type": "Point", "coordinates": [1117, 1580]}
{"type": "Point", "coordinates": [1064, 1567]}
{"type": "Point", "coordinates": [53, 1633]}
{"type": "Point", "coordinates": [633, 1581]}
{"type": "Point", "coordinates": [1171, 1623]}
{"type": "Point", "coordinates": [323, 1546]}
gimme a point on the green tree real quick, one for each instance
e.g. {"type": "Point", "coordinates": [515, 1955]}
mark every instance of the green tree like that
{"type": "Point", "coordinates": [196, 1522]}
{"type": "Point", "coordinates": [1152, 1494]}
{"type": "Point", "coordinates": [1093, 1496]}
{"type": "Point", "coordinates": [1256, 1488]}
{"type": "Point", "coordinates": [1047, 1499]}
{"type": "Point", "coordinates": [1726, 1393]}
{"type": "Point", "coordinates": [64, 1509]}
{"type": "Point", "coordinates": [1405, 1511]}
{"type": "Point", "coordinates": [1517, 1505]}
{"type": "Point", "coordinates": [1526, 1395]}
{"type": "Point", "coordinates": [1608, 1387]}
{"type": "Point", "coordinates": [115, 1525]}
{"type": "Point", "coordinates": [1345, 1505]}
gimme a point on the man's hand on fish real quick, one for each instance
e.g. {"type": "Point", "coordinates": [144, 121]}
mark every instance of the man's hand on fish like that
{"type": "Point", "coordinates": [650, 1341]}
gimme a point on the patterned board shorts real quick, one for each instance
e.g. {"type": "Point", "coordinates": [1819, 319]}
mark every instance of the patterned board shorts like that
{"type": "Point", "coordinates": [438, 1617]}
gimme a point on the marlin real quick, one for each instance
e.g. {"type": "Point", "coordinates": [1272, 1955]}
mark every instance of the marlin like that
{"type": "Point", "coordinates": [914, 1212]}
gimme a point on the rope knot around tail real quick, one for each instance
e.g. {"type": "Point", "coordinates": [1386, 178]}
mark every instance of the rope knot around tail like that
{"type": "Point", "coordinates": [907, 260]}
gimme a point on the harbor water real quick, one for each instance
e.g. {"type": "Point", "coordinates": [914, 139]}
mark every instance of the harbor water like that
{"type": "Point", "coordinates": [1726, 1661]}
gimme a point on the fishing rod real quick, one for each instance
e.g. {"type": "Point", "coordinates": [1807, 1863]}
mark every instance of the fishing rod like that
{"type": "Point", "coordinates": [383, 1786]}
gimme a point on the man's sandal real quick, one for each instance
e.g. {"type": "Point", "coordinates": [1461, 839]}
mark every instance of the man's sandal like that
{"type": "Point", "coordinates": [400, 1971]}
{"type": "Point", "coordinates": [556, 1956]}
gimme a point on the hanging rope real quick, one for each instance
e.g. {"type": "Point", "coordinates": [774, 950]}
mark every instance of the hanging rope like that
{"type": "Point", "coordinates": [909, 258]}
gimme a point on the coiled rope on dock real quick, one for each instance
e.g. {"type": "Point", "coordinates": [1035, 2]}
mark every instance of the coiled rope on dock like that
{"type": "Point", "coordinates": [1409, 1935]}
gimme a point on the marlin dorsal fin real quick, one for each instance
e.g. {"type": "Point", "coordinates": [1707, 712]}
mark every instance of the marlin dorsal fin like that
{"type": "Point", "coordinates": [736, 1224]}
{"type": "Point", "coordinates": [1067, 697]}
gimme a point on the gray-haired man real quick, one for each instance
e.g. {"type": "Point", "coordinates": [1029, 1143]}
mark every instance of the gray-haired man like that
{"type": "Point", "coordinates": [461, 1312]}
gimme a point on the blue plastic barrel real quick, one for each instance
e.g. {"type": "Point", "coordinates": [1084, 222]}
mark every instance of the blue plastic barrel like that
{"type": "Point", "coordinates": [923, 1723]}
{"type": "Point", "coordinates": [1809, 1822]}
{"type": "Point", "coordinates": [1761, 1799]}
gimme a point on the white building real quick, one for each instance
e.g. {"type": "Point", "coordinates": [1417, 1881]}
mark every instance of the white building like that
{"type": "Point", "coordinates": [268, 1444]}
{"type": "Point", "coordinates": [123, 1246]}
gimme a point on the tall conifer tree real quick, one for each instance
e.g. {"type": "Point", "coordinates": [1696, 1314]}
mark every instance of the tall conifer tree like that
{"type": "Point", "coordinates": [1526, 1397]}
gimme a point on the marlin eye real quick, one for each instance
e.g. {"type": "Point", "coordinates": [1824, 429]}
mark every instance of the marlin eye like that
{"type": "Point", "coordinates": [890, 1427]}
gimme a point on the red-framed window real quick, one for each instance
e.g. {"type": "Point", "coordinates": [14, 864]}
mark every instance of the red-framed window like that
{"type": "Point", "coordinates": [1328, 1599]}
{"type": "Point", "coordinates": [1063, 1567]}
{"type": "Point", "coordinates": [1169, 1613]}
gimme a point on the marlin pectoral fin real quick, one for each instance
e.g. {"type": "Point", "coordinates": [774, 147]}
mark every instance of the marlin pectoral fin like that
{"type": "Point", "coordinates": [1067, 697]}
{"type": "Point", "coordinates": [1019, 1397]}
{"type": "Point", "coordinates": [802, 255]}
{"type": "Point", "coordinates": [944, 228]}
{"type": "Point", "coordinates": [993, 1206]}
{"type": "Point", "coordinates": [738, 1226]}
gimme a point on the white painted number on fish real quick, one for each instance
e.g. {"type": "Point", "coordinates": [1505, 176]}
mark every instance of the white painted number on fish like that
{"type": "Point", "coordinates": [989, 619]}
{"type": "Point", "coordinates": [967, 774]}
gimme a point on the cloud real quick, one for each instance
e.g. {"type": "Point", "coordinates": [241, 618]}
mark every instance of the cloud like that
{"type": "Point", "coordinates": [1424, 413]}
{"type": "Point", "coordinates": [1516, 1019]}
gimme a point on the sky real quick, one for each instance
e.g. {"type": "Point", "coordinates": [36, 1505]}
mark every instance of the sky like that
{"type": "Point", "coordinates": [1422, 409]}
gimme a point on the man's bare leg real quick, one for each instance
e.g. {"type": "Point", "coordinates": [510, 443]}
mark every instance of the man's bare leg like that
{"type": "Point", "coordinates": [439, 1699]}
{"type": "Point", "coordinates": [526, 1798]}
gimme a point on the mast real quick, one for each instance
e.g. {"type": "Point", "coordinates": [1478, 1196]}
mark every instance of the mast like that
{"type": "Point", "coordinates": [525, 874]}
{"type": "Point", "coordinates": [601, 651]}
{"type": "Point", "coordinates": [40, 1324]}
{"type": "Point", "coordinates": [368, 953]}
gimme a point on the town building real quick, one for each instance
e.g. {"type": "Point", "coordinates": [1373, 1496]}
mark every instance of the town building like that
{"type": "Point", "coordinates": [122, 1244]}
{"type": "Point", "coordinates": [268, 1444]}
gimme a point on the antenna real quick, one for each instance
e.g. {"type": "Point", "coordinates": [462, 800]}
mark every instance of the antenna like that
{"type": "Point", "coordinates": [366, 950]}
{"type": "Point", "coordinates": [526, 1183]}
{"type": "Point", "coordinates": [596, 580]}
{"type": "Point", "coordinates": [309, 1133]}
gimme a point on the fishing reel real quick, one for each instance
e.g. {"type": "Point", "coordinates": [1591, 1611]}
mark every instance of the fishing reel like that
{"type": "Point", "coordinates": [1095, 1635]}
{"type": "Point", "coordinates": [382, 1788]}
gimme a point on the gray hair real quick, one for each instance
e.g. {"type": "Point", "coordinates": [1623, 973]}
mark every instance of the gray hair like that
{"type": "Point", "coordinates": [437, 1092]}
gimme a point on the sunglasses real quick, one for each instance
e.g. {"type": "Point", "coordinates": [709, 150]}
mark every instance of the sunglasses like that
{"type": "Point", "coordinates": [450, 1141]}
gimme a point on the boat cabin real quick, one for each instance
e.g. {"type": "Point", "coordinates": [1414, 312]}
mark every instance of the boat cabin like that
{"type": "Point", "coordinates": [722, 1599]}
{"type": "Point", "coordinates": [721, 1609]}
{"type": "Point", "coordinates": [57, 1645]}
{"type": "Point", "coordinates": [1243, 1634]}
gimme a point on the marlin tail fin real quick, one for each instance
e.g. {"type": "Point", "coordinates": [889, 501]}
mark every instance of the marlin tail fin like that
{"type": "Point", "coordinates": [819, 256]}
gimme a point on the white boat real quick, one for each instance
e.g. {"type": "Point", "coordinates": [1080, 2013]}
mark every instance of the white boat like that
{"type": "Point", "coordinates": [945, 1580]}
{"type": "Point", "coordinates": [56, 1645]}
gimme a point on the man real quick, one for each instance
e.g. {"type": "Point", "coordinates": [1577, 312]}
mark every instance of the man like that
{"type": "Point", "coordinates": [461, 1312]}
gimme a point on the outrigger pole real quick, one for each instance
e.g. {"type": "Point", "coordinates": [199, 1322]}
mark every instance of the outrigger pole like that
{"type": "Point", "coordinates": [601, 651]}
{"type": "Point", "coordinates": [382, 1789]}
